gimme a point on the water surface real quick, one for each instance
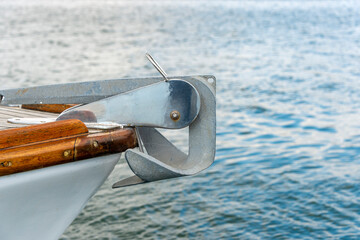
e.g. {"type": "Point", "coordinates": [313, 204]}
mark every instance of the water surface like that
{"type": "Point", "coordinates": [288, 97]}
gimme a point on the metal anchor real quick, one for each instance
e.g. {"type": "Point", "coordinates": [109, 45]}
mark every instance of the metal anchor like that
{"type": "Point", "coordinates": [159, 159]}
{"type": "Point", "coordinates": [173, 104]}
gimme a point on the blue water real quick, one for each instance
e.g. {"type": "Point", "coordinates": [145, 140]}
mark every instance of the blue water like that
{"type": "Point", "coordinates": [288, 96]}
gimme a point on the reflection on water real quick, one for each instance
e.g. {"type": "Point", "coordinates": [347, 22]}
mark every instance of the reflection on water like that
{"type": "Point", "coordinates": [288, 98]}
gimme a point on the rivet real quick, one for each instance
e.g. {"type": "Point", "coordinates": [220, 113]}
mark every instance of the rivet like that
{"type": "Point", "coordinates": [67, 153]}
{"type": "Point", "coordinates": [95, 144]}
{"type": "Point", "coordinates": [6, 164]}
{"type": "Point", "coordinates": [175, 115]}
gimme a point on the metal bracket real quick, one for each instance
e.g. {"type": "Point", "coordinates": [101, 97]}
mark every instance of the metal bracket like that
{"type": "Point", "coordinates": [171, 104]}
{"type": "Point", "coordinates": [160, 159]}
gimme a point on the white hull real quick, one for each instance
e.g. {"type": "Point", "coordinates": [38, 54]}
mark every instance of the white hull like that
{"type": "Point", "coordinates": [41, 204]}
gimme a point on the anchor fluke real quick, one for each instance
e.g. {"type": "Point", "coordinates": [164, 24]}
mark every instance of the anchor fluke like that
{"type": "Point", "coordinates": [159, 159]}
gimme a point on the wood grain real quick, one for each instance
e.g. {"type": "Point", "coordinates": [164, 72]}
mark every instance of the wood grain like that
{"type": "Point", "coordinates": [42, 132]}
{"type": "Point", "coordinates": [53, 108]}
{"type": "Point", "coordinates": [100, 143]}
{"type": "Point", "coordinates": [65, 150]}
{"type": "Point", "coordinates": [36, 156]}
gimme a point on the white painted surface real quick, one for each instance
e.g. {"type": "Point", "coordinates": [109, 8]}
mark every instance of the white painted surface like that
{"type": "Point", "coordinates": [93, 125]}
{"type": "Point", "coordinates": [41, 204]}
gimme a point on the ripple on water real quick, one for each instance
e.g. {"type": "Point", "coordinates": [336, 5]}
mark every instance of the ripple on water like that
{"type": "Point", "coordinates": [287, 162]}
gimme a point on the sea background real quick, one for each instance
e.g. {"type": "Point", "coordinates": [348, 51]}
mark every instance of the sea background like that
{"type": "Point", "coordinates": [288, 95]}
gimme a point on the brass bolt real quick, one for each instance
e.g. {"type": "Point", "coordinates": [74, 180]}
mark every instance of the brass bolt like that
{"type": "Point", "coordinates": [175, 115]}
{"type": "Point", "coordinates": [67, 153]}
{"type": "Point", "coordinates": [6, 164]}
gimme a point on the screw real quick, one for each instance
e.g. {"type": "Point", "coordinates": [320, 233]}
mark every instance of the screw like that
{"type": "Point", "coordinates": [175, 115]}
{"type": "Point", "coordinates": [67, 153]}
{"type": "Point", "coordinates": [6, 164]}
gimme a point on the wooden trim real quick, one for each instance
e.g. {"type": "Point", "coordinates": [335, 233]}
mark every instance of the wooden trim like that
{"type": "Point", "coordinates": [100, 143]}
{"type": "Point", "coordinates": [65, 150]}
{"type": "Point", "coordinates": [36, 133]}
{"type": "Point", "coordinates": [36, 156]}
{"type": "Point", "coordinates": [53, 108]}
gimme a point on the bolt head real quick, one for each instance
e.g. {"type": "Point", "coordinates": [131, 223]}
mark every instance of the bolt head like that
{"type": "Point", "coordinates": [175, 115]}
{"type": "Point", "coordinates": [67, 153]}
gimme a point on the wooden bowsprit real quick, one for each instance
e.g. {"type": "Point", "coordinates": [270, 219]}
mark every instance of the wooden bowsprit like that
{"type": "Point", "coordinates": [28, 148]}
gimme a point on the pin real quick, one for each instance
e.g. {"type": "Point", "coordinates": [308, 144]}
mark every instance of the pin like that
{"type": "Point", "coordinates": [157, 66]}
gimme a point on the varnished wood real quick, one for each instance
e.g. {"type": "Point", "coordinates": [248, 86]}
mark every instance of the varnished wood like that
{"type": "Point", "coordinates": [42, 132]}
{"type": "Point", "coordinates": [36, 156]}
{"type": "Point", "coordinates": [64, 150]}
{"type": "Point", "coordinates": [100, 143]}
{"type": "Point", "coordinates": [86, 116]}
{"type": "Point", "coordinates": [53, 108]}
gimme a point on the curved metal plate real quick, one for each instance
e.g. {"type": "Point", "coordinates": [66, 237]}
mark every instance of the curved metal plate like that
{"type": "Point", "coordinates": [150, 106]}
{"type": "Point", "coordinates": [153, 166]}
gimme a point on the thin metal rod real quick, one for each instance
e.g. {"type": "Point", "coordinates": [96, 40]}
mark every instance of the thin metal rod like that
{"type": "Point", "coordinates": [157, 66]}
{"type": "Point", "coordinates": [140, 141]}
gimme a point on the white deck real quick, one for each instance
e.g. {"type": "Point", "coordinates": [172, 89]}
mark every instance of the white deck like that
{"type": "Point", "coordinates": [16, 112]}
